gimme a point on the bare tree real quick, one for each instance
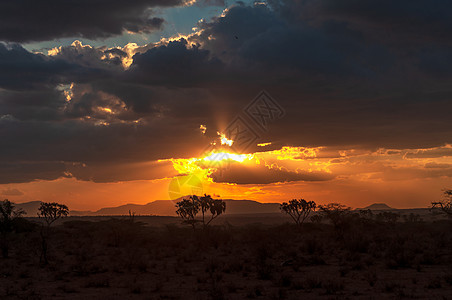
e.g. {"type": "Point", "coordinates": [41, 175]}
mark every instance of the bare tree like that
{"type": "Point", "coordinates": [50, 212]}
{"type": "Point", "coordinates": [8, 214]}
{"type": "Point", "coordinates": [131, 216]}
{"type": "Point", "coordinates": [298, 210]}
{"type": "Point", "coordinates": [445, 204]}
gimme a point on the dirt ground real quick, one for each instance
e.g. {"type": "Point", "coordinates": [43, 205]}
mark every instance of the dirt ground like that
{"type": "Point", "coordinates": [120, 258]}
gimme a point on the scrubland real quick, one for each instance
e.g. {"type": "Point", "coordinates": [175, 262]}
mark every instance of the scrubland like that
{"type": "Point", "coordinates": [125, 258]}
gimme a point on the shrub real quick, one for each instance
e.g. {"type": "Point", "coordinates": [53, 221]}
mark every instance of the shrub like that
{"type": "Point", "coordinates": [8, 216]}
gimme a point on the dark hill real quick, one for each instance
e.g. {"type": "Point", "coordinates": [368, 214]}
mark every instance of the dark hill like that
{"type": "Point", "coordinates": [167, 208]}
{"type": "Point", "coordinates": [378, 206]}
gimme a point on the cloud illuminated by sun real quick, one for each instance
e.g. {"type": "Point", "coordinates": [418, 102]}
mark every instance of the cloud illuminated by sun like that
{"type": "Point", "coordinates": [290, 153]}
{"type": "Point", "coordinates": [207, 164]}
{"type": "Point", "coordinates": [264, 144]}
{"type": "Point", "coordinates": [225, 156]}
{"type": "Point", "coordinates": [203, 128]}
{"type": "Point", "coordinates": [224, 140]}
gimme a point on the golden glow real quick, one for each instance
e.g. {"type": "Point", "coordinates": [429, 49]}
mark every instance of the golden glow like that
{"type": "Point", "coordinates": [67, 91]}
{"type": "Point", "coordinates": [221, 156]}
{"type": "Point", "coordinates": [401, 177]}
{"type": "Point", "coordinates": [264, 144]}
{"type": "Point", "coordinates": [291, 158]}
{"type": "Point", "coordinates": [189, 2]}
{"type": "Point", "coordinates": [207, 164]}
{"type": "Point", "coordinates": [106, 109]}
{"type": "Point", "coordinates": [130, 49]}
{"type": "Point", "coordinates": [203, 128]}
{"type": "Point", "coordinates": [295, 152]}
{"type": "Point", "coordinates": [54, 51]}
{"type": "Point", "coordinates": [224, 140]}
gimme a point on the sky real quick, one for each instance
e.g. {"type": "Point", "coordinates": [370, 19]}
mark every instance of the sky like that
{"type": "Point", "coordinates": [112, 102]}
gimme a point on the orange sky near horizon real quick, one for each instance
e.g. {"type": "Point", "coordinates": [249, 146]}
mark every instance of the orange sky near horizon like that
{"type": "Point", "coordinates": [399, 178]}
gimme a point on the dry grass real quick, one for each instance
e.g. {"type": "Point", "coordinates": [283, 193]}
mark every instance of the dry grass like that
{"type": "Point", "coordinates": [120, 259]}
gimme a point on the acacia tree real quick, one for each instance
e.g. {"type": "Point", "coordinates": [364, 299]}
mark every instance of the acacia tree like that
{"type": "Point", "coordinates": [8, 214]}
{"type": "Point", "coordinates": [337, 213]}
{"type": "Point", "coordinates": [50, 212]}
{"type": "Point", "coordinates": [187, 209]}
{"type": "Point", "coordinates": [445, 204]}
{"type": "Point", "coordinates": [215, 207]}
{"type": "Point", "coordinates": [298, 210]}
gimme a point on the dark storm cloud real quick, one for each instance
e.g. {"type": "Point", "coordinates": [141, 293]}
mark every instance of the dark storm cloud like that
{"type": "Point", "coordinates": [415, 19]}
{"type": "Point", "coordinates": [31, 84]}
{"type": "Point", "coordinates": [46, 149]}
{"type": "Point", "coordinates": [16, 172]}
{"type": "Point", "coordinates": [107, 172]}
{"type": "Point", "coordinates": [408, 20]}
{"type": "Point", "coordinates": [175, 65]}
{"type": "Point", "coordinates": [343, 80]}
{"type": "Point", "coordinates": [44, 104]}
{"type": "Point", "coordinates": [262, 47]}
{"type": "Point", "coordinates": [29, 20]}
{"type": "Point", "coordinates": [88, 58]}
{"type": "Point", "coordinates": [86, 142]}
{"type": "Point", "coordinates": [260, 174]}
{"type": "Point", "coordinates": [22, 70]}
{"type": "Point", "coordinates": [211, 2]}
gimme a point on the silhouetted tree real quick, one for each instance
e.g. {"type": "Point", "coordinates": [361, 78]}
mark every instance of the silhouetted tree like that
{"type": "Point", "coordinates": [8, 214]}
{"type": "Point", "coordinates": [298, 210]}
{"type": "Point", "coordinates": [131, 216]}
{"type": "Point", "coordinates": [338, 214]}
{"type": "Point", "coordinates": [412, 218]}
{"type": "Point", "coordinates": [316, 219]}
{"type": "Point", "coordinates": [387, 217]}
{"type": "Point", "coordinates": [215, 207]}
{"type": "Point", "coordinates": [445, 204]}
{"type": "Point", "coordinates": [365, 216]}
{"type": "Point", "coordinates": [187, 209]}
{"type": "Point", "coordinates": [50, 212]}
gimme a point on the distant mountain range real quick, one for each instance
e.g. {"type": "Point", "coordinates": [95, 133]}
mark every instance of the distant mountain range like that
{"type": "Point", "coordinates": [167, 208]}
{"type": "Point", "coordinates": [31, 208]}
{"type": "Point", "coordinates": [161, 208]}
{"type": "Point", "coordinates": [378, 206]}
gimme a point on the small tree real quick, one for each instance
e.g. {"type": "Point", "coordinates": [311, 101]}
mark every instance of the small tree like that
{"type": "Point", "coordinates": [187, 209]}
{"type": "Point", "coordinates": [8, 214]}
{"type": "Point", "coordinates": [445, 204]}
{"type": "Point", "coordinates": [215, 207]}
{"type": "Point", "coordinates": [338, 214]}
{"type": "Point", "coordinates": [298, 210]}
{"type": "Point", "coordinates": [50, 212]}
{"type": "Point", "coordinates": [388, 217]}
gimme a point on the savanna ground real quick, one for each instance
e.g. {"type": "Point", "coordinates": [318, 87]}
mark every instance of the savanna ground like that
{"type": "Point", "coordinates": [127, 258]}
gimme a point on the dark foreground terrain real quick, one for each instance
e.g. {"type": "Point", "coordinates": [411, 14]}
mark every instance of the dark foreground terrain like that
{"type": "Point", "coordinates": [125, 258]}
